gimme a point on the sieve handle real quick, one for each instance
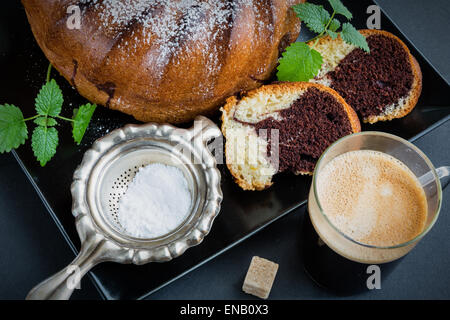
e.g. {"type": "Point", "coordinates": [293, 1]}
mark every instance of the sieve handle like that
{"type": "Point", "coordinates": [61, 285]}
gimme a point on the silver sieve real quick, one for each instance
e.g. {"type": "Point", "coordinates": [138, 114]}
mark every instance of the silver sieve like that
{"type": "Point", "coordinates": [102, 178]}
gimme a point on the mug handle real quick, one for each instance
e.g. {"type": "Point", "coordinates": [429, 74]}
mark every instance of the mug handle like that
{"type": "Point", "coordinates": [428, 177]}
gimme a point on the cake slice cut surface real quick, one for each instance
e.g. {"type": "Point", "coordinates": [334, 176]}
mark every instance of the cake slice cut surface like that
{"type": "Point", "coordinates": [382, 85]}
{"type": "Point", "coordinates": [282, 127]}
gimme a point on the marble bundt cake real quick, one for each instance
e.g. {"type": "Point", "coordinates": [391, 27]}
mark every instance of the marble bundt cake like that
{"type": "Point", "coordinates": [161, 60]}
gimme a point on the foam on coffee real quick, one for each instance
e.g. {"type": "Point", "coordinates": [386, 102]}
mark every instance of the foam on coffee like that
{"type": "Point", "coordinates": [372, 197]}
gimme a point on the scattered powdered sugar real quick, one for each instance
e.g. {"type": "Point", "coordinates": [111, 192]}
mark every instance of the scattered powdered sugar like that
{"type": "Point", "coordinates": [156, 202]}
{"type": "Point", "coordinates": [174, 29]}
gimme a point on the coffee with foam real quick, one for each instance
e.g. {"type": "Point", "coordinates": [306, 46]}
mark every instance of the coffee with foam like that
{"type": "Point", "coordinates": [373, 199]}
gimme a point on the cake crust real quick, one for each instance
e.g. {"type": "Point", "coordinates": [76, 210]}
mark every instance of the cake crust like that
{"type": "Point", "coordinates": [164, 65]}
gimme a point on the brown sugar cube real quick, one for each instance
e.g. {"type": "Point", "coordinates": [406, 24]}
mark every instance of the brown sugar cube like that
{"type": "Point", "coordinates": [260, 277]}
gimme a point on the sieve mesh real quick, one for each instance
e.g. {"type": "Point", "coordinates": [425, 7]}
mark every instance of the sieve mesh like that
{"type": "Point", "coordinates": [119, 187]}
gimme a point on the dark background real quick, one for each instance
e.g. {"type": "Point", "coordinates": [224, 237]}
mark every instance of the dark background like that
{"type": "Point", "coordinates": [33, 249]}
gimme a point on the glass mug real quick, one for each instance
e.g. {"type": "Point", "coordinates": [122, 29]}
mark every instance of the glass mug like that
{"type": "Point", "coordinates": [336, 261]}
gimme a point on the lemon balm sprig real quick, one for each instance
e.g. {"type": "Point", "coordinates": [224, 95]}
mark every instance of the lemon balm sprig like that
{"type": "Point", "coordinates": [301, 62]}
{"type": "Point", "coordinates": [44, 139]}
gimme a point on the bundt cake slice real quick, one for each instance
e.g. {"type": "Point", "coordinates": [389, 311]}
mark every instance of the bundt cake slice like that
{"type": "Point", "coordinates": [282, 127]}
{"type": "Point", "coordinates": [381, 85]}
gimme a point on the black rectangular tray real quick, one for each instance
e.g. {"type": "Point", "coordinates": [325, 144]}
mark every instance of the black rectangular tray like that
{"type": "Point", "coordinates": [243, 213]}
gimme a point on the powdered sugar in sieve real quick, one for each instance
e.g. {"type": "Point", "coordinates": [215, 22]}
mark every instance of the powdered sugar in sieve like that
{"type": "Point", "coordinates": [156, 201]}
{"type": "Point", "coordinates": [136, 217]}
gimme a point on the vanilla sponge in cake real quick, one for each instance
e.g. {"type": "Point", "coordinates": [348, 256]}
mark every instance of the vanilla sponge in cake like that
{"type": "Point", "coordinates": [381, 85]}
{"type": "Point", "coordinates": [282, 127]}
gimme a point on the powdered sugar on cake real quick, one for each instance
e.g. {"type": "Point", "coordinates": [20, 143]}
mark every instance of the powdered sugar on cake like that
{"type": "Point", "coordinates": [175, 28]}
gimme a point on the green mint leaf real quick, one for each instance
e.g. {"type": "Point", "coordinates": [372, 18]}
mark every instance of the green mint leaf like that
{"type": "Point", "coordinates": [334, 25]}
{"type": "Point", "coordinates": [339, 8]}
{"type": "Point", "coordinates": [299, 63]}
{"type": "Point", "coordinates": [352, 36]}
{"type": "Point", "coordinates": [314, 16]}
{"type": "Point", "coordinates": [45, 122]}
{"type": "Point", "coordinates": [74, 112]}
{"type": "Point", "coordinates": [13, 130]}
{"type": "Point", "coordinates": [332, 34]}
{"type": "Point", "coordinates": [49, 99]}
{"type": "Point", "coordinates": [44, 142]}
{"type": "Point", "coordinates": [81, 121]}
